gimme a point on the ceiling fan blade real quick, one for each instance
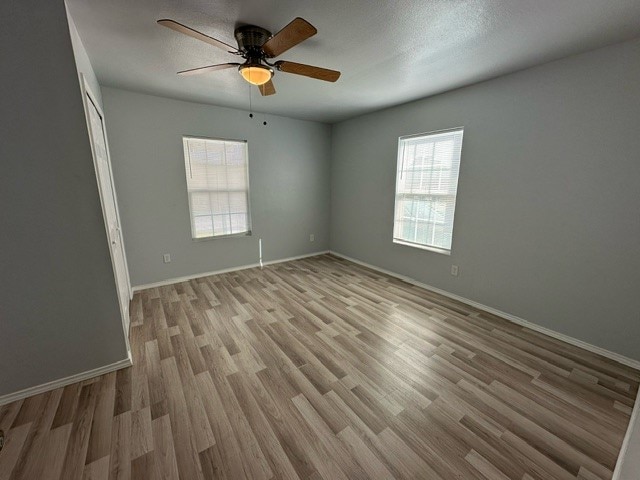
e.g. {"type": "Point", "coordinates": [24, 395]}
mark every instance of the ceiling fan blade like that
{"type": "Point", "coordinates": [298, 30]}
{"type": "Point", "coordinates": [209, 68]}
{"type": "Point", "coordinates": [267, 89]}
{"type": "Point", "coordinates": [178, 27]}
{"type": "Point", "coordinates": [308, 71]}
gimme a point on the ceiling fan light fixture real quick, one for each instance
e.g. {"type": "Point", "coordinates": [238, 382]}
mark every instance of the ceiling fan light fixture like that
{"type": "Point", "coordinates": [256, 74]}
{"type": "Point", "coordinates": [256, 46]}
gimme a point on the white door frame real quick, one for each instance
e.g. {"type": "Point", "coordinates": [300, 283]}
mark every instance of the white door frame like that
{"type": "Point", "coordinates": [87, 95]}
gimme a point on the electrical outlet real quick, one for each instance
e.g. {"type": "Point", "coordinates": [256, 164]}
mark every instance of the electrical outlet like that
{"type": "Point", "coordinates": [312, 238]}
{"type": "Point", "coordinates": [454, 270]}
{"type": "Point", "coordinates": [166, 258]}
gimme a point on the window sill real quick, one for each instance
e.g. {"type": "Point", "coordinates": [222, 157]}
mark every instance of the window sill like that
{"type": "Point", "coordinates": [215, 237]}
{"type": "Point", "coordinates": [422, 247]}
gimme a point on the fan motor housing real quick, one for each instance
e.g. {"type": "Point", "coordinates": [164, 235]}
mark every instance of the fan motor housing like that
{"type": "Point", "coordinates": [250, 39]}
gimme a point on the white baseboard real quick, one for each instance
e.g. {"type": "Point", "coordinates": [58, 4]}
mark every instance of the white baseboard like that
{"type": "Point", "coordinates": [171, 281]}
{"type": "Point", "coordinates": [630, 362]}
{"type": "Point", "coordinates": [63, 382]}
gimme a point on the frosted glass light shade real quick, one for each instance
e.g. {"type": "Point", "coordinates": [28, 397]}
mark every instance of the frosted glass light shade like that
{"type": "Point", "coordinates": [256, 74]}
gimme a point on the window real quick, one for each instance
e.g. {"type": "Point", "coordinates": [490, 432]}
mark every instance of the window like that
{"type": "Point", "coordinates": [426, 186]}
{"type": "Point", "coordinates": [218, 187]}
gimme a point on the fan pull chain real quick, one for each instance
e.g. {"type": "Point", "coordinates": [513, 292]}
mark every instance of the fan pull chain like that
{"type": "Point", "coordinates": [264, 122]}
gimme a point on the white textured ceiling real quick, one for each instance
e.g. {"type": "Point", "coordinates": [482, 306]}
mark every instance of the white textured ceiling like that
{"type": "Point", "coordinates": [389, 52]}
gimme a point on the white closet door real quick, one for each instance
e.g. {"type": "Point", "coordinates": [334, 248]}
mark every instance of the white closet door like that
{"type": "Point", "coordinates": [109, 204]}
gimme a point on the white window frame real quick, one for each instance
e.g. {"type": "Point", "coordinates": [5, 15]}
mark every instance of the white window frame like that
{"type": "Point", "coordinates": [247, 233]}
{"type": "Point", "coordinates": [400, 169]}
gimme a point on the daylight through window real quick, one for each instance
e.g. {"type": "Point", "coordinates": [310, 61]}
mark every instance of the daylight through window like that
{"type": "Point", "coordinates": [426, 188]}
{"type": "Point", "coordinates": [218, 186]}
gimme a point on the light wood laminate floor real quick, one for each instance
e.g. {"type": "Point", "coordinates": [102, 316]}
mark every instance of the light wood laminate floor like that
{"type": "Point", "coordinates": [322, 369]}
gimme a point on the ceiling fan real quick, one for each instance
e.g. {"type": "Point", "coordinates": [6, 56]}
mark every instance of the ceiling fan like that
{"type": "Point", "coordinates": [257, 46]}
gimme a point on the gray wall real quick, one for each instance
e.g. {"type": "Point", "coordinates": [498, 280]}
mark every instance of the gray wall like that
{"type": "Point", "coordinates": [59, 310]}
{"type": "Point", "coordinates": [547, 223]}
{"type": "Point", "coordinates": [289, 172]}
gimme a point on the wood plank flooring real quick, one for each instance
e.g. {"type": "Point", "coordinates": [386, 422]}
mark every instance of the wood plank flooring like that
{"type": "Point", "coordinates": [322, 369]}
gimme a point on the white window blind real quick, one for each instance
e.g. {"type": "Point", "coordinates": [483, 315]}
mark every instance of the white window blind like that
{"type": "Point", "coordinates": [218, 186]}
{"type": "Point", "coordinates": [426, 187]}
